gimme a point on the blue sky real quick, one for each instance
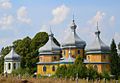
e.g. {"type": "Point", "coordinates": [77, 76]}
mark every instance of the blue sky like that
{"type": "Point", "coordinates": [21, 18]}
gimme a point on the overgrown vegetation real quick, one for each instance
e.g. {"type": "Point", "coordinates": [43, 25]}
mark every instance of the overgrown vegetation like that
{"type": "Point", "coordinates": [78, 69]}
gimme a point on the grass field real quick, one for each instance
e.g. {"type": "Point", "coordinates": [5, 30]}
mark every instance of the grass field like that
{"type": "Point", "coordinates": [46, 80]}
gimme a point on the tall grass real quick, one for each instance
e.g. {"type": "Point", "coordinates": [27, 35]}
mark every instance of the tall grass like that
{"type": "Point", "coordinates": [46, 80]}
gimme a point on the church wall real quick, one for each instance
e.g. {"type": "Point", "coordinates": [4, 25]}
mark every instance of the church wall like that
{"type": "Point", "coordinates": [48, 71]}
{"type": "Point", "coordinates": [100, 67]}
{"type": "Point", "coordinates": [49, 58]}
{"type": "Point", "coordinates": [98, 57]}
{"type": "Point", "coordinates": [74, 52]}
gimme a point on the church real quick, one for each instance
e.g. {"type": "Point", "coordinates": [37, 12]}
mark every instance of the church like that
{"type": "Point", "coordinates": [97, 54]}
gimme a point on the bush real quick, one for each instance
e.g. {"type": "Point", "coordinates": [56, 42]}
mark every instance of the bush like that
{"type": "Point", "coordinates": [106, 75]}
{"type": "Point", "coordinates": [20, 71]}
{"type": "Point", "coordinates": [92, 73]}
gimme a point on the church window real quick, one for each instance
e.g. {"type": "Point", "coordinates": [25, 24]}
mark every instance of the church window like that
{"type": "Point", "coordinates": [40, 59]}
{"type": "Point", "coordinates": [9, 66]}
{"type": "Point", "coordinates": [103, 56]}
{"type": "Point", "coordinates": [55, 57]}
{"type": "Point", "coordinates": [14, 65]}
{"type": "Point", "coordinates": [78, 51]}
{"type": "Point", "coordinates": [44, 68]}
{"type": "Point", "coordinates": [88, 58]}
{"type": "Point", "coordinates": [53, 68]}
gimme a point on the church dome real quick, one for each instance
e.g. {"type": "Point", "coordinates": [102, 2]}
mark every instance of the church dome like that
{"type": "Point", "coordinates": [12, 56]}
{"type": "Point", "coordinates": [73, 40]}
{"type": "Point", "coordinates": [98, 46]}
{"type": "Point", "coordinates": [50, 47]}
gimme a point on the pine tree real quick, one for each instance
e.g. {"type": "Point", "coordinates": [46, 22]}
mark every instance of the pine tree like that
{"type": "Point", "coordinates": [114, 60]}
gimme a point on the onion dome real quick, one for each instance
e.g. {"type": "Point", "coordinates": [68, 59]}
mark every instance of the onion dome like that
{"type": "Point", "coordinates": [68, 60]}
{"type": "Point", "coordinates": [73, 40]}
{"type": "Point", "coordinates": [98, 46]}
{"type": "Point", "coordinates": [12, 56]}
{"type": "Point", "coordinates": [50, 48]}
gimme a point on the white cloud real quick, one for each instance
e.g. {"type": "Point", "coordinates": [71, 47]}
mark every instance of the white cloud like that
{"type": "Point", "coordinates": [6, 21]}
{"type": "Point", "coordinates": [112, 20]}
{"type": "Point", "coordinates": [22, 15]}
{"type": "Point", "coordinates": [59, 14]}
{"type": "Point", "coordinates": [5, 4]}
{"type": "Point", "coordinates": [97, 18]}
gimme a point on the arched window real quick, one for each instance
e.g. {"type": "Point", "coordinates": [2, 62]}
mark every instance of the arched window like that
{"type": "Point", "coordinates": [55, 57]}
{"type": "Point", "coordinates": [78, 51]}
{"type": "Point", "coordinates": [95, 67]}
{"type": "Point", "coordinates": [53, 68]}
{"type": "Point", "coordinates": [14, 65]}
{"type": "Point", "coordinates": [44, 68]}
{"type": "Point", "coordinates": [9, 66]}
{"type": "Point", "coordinates": [88, 58]}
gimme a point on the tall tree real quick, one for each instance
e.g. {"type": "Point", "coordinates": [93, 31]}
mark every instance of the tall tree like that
{"type": "Point", "coordinates": [39, 40]}
{"type": "Point", "coordinates": [115, 69]}
{"type": "Point", "coordinates": [4, 52]}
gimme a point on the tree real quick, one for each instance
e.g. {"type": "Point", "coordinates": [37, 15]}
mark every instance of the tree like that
{"type": "Point", "coordinates": [81, 69]}
{"type": "Point", "coordinates": [61, 71]}
{"type": "Point", "coordinates": [4, 52]}
{"type": "Point", "coordinates": [22, 47]}
{"type": "Point", "coordinates": [39, 40]}
{"type": "Point", "coordinates": [119, 46]}
{"type": "Point", "coordinates": [73, 70]}
{"type": "Point", "coordinates": [115, 69]}
{"type": "Point", "coordinates": [92, 73]}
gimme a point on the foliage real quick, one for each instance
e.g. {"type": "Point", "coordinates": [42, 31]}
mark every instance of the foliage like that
{"type": "Point", "coordinates": [106, 75]}
{"type": "Point", "coordinates": [119, 46]}
{"type": "Point", "coordinates": [92, 73]}
{"type": "Point", "coordinates": [39, 40]}
{"type": "Point", "coordinates": [61, 71]}
{"type": "Point", "coordinates": [20, 71]}
{"type": "Point", "coordinates": [4, 51]}
{"type": "Point", "coordinates": [78, 69]}
{"type": "Point", "coordinates": [115, 60]}
{"type": "Point", "coordinates": [81, 69]}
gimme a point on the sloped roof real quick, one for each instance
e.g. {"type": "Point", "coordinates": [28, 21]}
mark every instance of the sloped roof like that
{"type": "Point", "coordinates": [73, 40]}
{"type": "Point", "coordinates": [12, 55]}
{"type": "Point", "coordinates": [50, 47]}
{"type": "Point", "coordinates": [98, 46]}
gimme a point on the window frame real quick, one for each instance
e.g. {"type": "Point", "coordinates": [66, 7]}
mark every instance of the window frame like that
{"type": "Point", "coordinates": [44, 68]}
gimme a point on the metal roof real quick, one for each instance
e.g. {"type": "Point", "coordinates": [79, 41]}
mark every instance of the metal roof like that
{"type": "Point", "coordinates": [12, 56]}
{"type": "Point", "coordinates": [98, 45]}
{"type": "Point", "coordinates": [73, 40]}
{"type": "Point", "coordinates": [50, 46]}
